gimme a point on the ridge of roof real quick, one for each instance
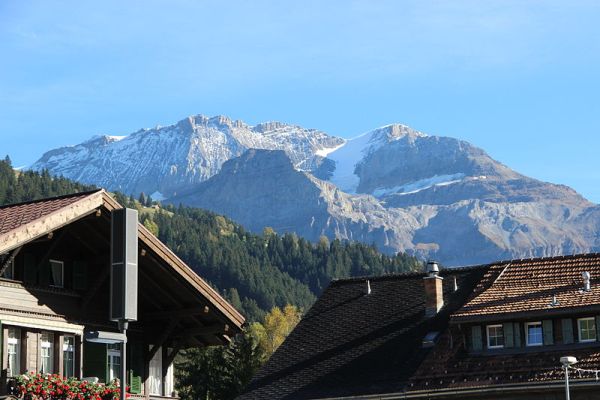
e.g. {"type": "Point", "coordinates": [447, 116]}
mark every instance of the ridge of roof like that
{"type": "Point", "coordinates": [45, 199]}
{"type": "Point", "coordinates": [516, 261]}
{"type": "Point", "coordinates": [407, 275]}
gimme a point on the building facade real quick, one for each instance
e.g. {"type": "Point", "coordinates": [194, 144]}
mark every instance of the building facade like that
{"type": "Point", "coordinates": [54, 287]}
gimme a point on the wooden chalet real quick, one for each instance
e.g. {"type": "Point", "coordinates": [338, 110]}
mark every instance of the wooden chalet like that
{"type": "Point", "coordinates": [54, 286]}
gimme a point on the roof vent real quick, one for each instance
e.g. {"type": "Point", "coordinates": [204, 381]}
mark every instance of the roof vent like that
{"type": "Point", "coordinates": [554, 302]}
{"type": "Point", "coordinates": [586, 281]}
{"type": "Point", "coordinates": [368, 287]}
{"type": "Point", "coordinates": [455, 284]}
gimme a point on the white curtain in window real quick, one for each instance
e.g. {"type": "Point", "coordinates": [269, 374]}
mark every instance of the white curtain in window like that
{"type": "Point", "coordinates": [169, 386]}
{"type": "Point", "coordinates": [14, 352]}
{"type": "Point", "coordinates": [155, 377]}
{"type": "Point", "coordinates": [47, 353]}
{"type": "Point", "coordinates": [57, 273]}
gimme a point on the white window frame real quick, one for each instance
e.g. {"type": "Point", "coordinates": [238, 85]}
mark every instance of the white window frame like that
{"type": "Point", "coordinates": [579, 321]}
{"type": "Point", "coordinates": [113, 351]}
{"type": "Point", "coordinates": [68, 349]}
{"type": "Point", "coordinates": [47, 342]}
{"type": "Point", "coordinates": [11, 268]}
{"type": "Point", "coordinates": [62, 272]}
{"type": "Point", "coordinates": [534, 323]}
{"type": "Point", "coordinates": [15, 340]}
{"type": "Point", "coordinates": [487, 329]}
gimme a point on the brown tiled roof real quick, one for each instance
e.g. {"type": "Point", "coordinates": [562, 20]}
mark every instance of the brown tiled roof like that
{"type": "Point", "coordinates": [528, 286]}
{"type": "Point", "coordinates": [13, 216]}
{"type": "Point", "coordinates": [352, 344]}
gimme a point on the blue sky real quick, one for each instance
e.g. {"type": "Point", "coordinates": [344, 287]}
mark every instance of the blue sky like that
{"type": "Point", "coordinates": [520, 79]}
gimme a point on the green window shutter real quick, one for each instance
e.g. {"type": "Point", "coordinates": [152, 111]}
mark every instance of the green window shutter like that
{"type": "Point", "coordinates": [567, 330]}
{"type": "Point", "coordinates": [508, 335]}
{"type": "Point", "coordinates": [476, 339]}
{"type": "Point", "coordinates": [80, 275]}
{"type": "Point", "coordinates": [95, 360]}
{"type": "Point", "coordinates": [548, 332]}
{"type": "Point", "coordinates": [29, 268]}
{"type": "Point", "coordinates": [135, 383]}
{"type": "Point", "coordinates": [517, 334]}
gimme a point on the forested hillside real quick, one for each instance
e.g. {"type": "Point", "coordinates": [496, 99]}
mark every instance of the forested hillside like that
{"type": "Point", "coordinates": [254, 272]}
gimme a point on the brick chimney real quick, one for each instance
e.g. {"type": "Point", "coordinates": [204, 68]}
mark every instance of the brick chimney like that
{"type": "Point", "coordinates": [434, 294]}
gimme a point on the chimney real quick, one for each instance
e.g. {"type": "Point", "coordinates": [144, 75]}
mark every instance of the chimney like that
{"type": "Point", "coordinates": [434, 294]}
{"type": "Point", "coordinates": [586, 281]}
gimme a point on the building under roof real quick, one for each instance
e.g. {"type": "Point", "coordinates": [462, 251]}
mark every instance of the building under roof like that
{"type": "Point", "coordinates": [491, 331]}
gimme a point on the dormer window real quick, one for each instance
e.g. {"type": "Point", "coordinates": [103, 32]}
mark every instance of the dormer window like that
{"type": "Point", "coordinates": [495, 336]}
{"type": "Point", "coordinates": [57, 273]}
{"type": "Point", "coordinates": [534, 334]}
{"type": "Point", "coordinates": [587, 329]}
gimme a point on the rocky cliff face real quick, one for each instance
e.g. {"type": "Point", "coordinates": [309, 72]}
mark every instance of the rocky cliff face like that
{"type": "Point", "coordinates": [401, 189]}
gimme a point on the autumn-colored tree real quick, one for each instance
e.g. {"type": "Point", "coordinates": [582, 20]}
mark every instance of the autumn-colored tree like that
{"type": "Point", "coordinates": [276, 326]}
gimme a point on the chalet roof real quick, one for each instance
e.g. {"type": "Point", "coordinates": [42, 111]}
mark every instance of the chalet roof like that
{"type": "Point", "coordinates": [528, 286]}
{"type": "Point", "coordinates": [24, 222]}
{"type": "Point", "coordinates": [351, 343]}
{"type": "Point", "coordinates": [13, 216]}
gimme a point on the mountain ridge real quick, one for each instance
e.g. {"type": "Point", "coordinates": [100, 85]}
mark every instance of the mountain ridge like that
{"type": "Point", "coordinates": [397, 187]}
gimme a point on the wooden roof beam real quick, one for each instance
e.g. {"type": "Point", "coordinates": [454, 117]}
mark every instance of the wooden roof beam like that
{"type": "Point", "coordinates": [178, 312]}
{"type": "Point", "coordinates": [213, 329]}
{"type": "Point", "coordinates": [163, 337]}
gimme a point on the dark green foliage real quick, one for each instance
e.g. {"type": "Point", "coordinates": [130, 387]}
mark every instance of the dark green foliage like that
{"type": "Point", "coordinates": [267, 270]}
{"type": "Point", "coordinates": [28, 185]}
{"type": "Point", "coordinates": [218, 372]}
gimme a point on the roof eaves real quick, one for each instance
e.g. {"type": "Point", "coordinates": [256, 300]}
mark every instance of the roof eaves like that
{"type": "Point", "coordinates": [52, 221]}
{"type": "Point", "coordinates": [455, 319]}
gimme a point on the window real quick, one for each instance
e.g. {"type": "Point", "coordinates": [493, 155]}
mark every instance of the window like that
{"type": "Point", "coordinates": [9, 272]}
{"type": "Point", "coordinates": [113, 352]}
{"type": "Point", "coordinates": [587, 329]}
{"type": "Point", "coordinates": [534, 334]}
{"type": "Point", "coordinates": [14, 352]}
{"type": "Point", "coordinates": [155, 381]}
{"type": "Point", "coordinates": [47, 353]}
{"type": "Point", "coordinates": [495, 336]}
{"type": "Point", "coordinates": [68, 367]}
{"type": "Point", "coordinates": [57, 273]}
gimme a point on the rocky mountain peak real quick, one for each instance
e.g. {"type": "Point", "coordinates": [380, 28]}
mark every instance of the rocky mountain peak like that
{"type": "Point", "coordinates": [269, 126]}
{"type": "Point", "coordinates": [398, 131]}
{"type": "Point", "coordinates": [393, 186]}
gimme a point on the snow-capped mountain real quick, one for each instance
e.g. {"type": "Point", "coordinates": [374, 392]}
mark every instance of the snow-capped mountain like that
{"type": "Point", "coordinates": [163, 160]}
{"type": "Point", "coordinates": [394, 186]}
